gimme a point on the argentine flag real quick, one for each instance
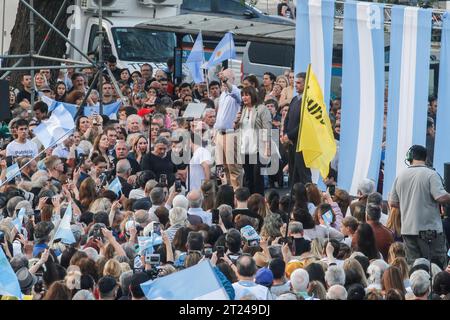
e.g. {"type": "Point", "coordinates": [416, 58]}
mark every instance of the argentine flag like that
{"type": "Point", "coordinates": [17, 222]}
{"type": "Point", "coordinates": [12, 171]}
{"type": "Point", "coordinates": [108, 109]}
{"type": "Point", "coordinates": [196, 59]}
{"type": "Point", "coordinates": [314, 40]}
{"type": "Point", "coordinates": [362, 95]}
{"type": "Point", "coordinates": [52, 104]}
{"type": "Point", "coordinates": [225, 50]}
{"type": "Point", "coordinates": [441, 147]}
{"type": "Point", "coordinates": [54, 129]}
{"type": "Point", "coordinates": [195, 283]}
{"type": "Point", "coordinates": [64, 232]}
{"type": "Point", "coordinates": [409, 64]}
{"type": "Point", "coordinates": [115, 186]}
{"type": "Point", "coordinates": [9, 285]}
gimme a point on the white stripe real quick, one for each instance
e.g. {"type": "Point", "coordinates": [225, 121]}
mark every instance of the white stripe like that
{"type": "Point", "coordinates": [407, 86]}
{"type": "Point", "coordinates": [218, 294]}
{"type": "Point", "coordinates": [316, 41]}
{"type": "Point", "coordinates": [366, 98]}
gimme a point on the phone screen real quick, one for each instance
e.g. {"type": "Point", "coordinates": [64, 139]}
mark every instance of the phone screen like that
{"type": "Point", "coordinates": [331, 189]}
{"type": "Point", "coordinates": [215, 216]}
{"type": "Point", "coordinates": [220, 251]}
{"type": "Point", "coordinates": [157, 228]}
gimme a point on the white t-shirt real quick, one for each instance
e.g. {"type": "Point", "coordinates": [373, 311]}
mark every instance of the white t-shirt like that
{"type": "Point", "coordinates": [27, 149]}
{"type": "Point", "coordinates": [196, 174]}
{"type": "Point", "coordinates": [249, 288]}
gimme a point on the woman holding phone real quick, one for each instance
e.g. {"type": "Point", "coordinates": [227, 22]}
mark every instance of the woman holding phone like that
{"type": "Point", "coordinates": [254, 123]}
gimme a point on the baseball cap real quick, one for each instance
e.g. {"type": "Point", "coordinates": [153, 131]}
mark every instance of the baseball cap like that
{"type": "Point", "coordinates": [264, 277]}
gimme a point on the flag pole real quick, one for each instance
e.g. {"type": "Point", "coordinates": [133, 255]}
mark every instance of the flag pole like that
{"type": "Point", "coordinates": [205, 71]}
{"type": "Point", "coordinates": [303, 106]}
{"type": "Point", "coordinates": [37, 156]}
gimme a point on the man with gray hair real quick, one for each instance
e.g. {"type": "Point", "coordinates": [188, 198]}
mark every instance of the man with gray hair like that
{"type": "Point", "coordinates": [334, 275]}
{"type": "Point", "coordinates": [134, 124]}
{"type": "Point", "coordinates": [226, 215]}
{"type": "Point", "coordinates": [299, 244]}
{"type": "Point", "coordinates": [123, 172]}
{"type": "Point", "coordinates": [299, 283]}
{"type": "Point", "coordinates": [195, 199]}
{"type": "Point", "coordinates": [226, 138]}
{"type": "Point", "coordinates": [420, 284]}
{"type": "Point", "coordinates": [337, 292]}
{"type": "Point", "coordinates": [365, 187]}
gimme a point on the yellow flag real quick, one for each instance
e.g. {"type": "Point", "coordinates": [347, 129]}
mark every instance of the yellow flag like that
{"type": "Point", "coordinates": [316, 139]}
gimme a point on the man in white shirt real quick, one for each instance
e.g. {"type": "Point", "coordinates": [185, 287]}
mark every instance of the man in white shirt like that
{"type": "Point", "coordinates": [21, 147]}
{"type": "Point", "coordinates": [199, 169]}
{"type": "Point", "coordinates": [195, 198]}
{"type": "Point", "coordinates": [246, 286]}
{"type": "Point", "coordinates": [226, 138]}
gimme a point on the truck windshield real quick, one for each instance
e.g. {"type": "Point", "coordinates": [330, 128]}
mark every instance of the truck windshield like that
{"type": "Point", "coordinates": [136, 44]}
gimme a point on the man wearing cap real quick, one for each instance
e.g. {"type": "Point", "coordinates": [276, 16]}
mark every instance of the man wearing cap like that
{"type": "Point", "coordinates": [41, 236]}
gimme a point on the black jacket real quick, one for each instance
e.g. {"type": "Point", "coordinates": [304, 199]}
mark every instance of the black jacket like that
{"type": "Point", "coordinates": [292, 120]}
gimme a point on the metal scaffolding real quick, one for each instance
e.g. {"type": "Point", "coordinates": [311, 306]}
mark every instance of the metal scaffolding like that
{"type": "Point", "coordinates": [99, 65]}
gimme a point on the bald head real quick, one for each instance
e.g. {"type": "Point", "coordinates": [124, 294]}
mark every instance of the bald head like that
{"type": "Point", "coordinates": [123, 167]}
{"type": "Point", "coordinates": [195, 198]}
{"type": "Point", "coordinates": [229, 73]}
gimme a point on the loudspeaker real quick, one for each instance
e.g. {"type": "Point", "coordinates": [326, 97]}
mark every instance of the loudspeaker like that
{"type": "Point", "coordinates": [5, 112]}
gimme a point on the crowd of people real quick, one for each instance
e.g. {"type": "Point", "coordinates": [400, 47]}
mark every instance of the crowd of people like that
{"type": "Point", "coordinates": [265, 244]}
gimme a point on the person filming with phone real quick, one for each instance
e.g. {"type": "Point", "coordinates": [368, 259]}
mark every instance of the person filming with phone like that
{"type": "Point", "coordinates": [418, 191]}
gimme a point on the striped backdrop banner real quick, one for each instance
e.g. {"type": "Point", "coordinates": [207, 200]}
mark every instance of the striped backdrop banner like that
{"type": "Point", "coordinates": [441, 145]}
{"type": "Point", "coordinates": [408, 87]}
{"type": "Point", "coordinates": [362, 95]}
{"type": "Point", "coordinates": [314, 40]}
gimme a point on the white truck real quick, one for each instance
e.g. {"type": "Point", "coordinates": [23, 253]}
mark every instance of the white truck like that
{"type": "Point", "coordinates": [131, 45]}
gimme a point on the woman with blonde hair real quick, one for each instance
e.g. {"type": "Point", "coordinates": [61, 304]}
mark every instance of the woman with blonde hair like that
{"type": "Point", "coordinates": [317, 290]}
{"type": "Point", "coordinates": [140, 148]}
{"type": "Point", "coordinates": [396, 250]}
{"type": "Point", "coordinates": [112, 268]}
{"type": "Point", "coordinates": [394, 223]}
{"type": "Point", "coordinates": [100, 204]}
{"type": "Point", "coordinates": [402, 265]}
{"type": "Point", "coordinates": [288, 92]}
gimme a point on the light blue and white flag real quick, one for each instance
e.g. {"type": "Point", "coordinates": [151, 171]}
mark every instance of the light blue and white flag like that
{"type": "Point", "coordinates": [196, 59]}
{"type": "Point", "coordinates": [362, 95]}
{"type": "Point", "coordinates": [108, 109]}
{"type": "Point", "coordinates": [9, 285]}
{"type": "Point", "coordinates": [328, 217]}
{"type": "Point", "coordinates": [146, 243]}
{"type": "Point", "coordinates": [52, 104]}
{"type": "Point", "coordinates": [409, 64]}
{"type": "Point", "coordinates": [441, 145]}
{"type": "Point", "coordinates": [314, 40]}
{"type": "Point", "coordinates": [54, 129]}
{"type": "Point", "coordinates": [187, 285]}
{"type": "Point", "coordinates": [115, 186]}
{"type": "Point", "coordinates": [18, 221]}
{"type": "Point", "coordinates": [64, 231]}
{"type": "Point", "coordinates": [225, 50]}
{"type": "Point", "coordinates": [12, 171]}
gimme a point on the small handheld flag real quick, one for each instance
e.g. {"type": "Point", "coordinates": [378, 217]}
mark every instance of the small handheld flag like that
{"type": "Point", "coordinates": [225, 50]}
{"type": "Point", "coordinates": [9, 285]}
{"type": "Point", "coordinates": [64, 231]}
{"type": "Point", "coordinates": [115, 186]}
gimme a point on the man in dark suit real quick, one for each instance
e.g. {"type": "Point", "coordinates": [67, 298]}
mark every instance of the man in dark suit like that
{"type": "Point", "coordinates": [298, 172]}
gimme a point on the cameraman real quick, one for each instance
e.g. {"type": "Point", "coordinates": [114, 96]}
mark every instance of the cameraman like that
{"type": "Point", "coordinates": [418, 191]}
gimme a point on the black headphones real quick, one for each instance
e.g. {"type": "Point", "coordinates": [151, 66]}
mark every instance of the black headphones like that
{"type": "Point", "coordinates": [412, 151]}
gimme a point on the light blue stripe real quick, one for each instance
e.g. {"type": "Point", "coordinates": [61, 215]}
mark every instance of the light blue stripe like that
{"type": "Point", "coordinates": [181, 286]}
{"type": "Point", "coordinates": [378, 54]}
{"type": "Point", "coordinates": [441, 146]}
{"type": "Point", "coordinates": [422, 77]}
{"type": "Point", "coordinates": [302, 48]}
{"type": "Point", "coordinates": [328, 29]}
{"type": "Point", "coordinates": [350, 98]}
{"type": "Point", "coordinates": [395, 60]}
